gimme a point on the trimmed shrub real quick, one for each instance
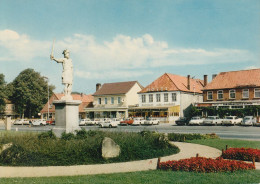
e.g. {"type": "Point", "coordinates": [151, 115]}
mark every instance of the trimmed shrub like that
{"type": "Point", "coordinates": [184, 137]}
{"type": "Point", "coordinates": [83, 148]}
{"type": "Point", "coordinates": [205, 165]}
{"type": "Point", "coordinates": [246, 154]}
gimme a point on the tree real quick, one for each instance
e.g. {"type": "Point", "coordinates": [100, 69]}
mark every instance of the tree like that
{"type": "Point", "coordinates": [29, 92]}
{"type": "Point", "coordinates": [2, 92]}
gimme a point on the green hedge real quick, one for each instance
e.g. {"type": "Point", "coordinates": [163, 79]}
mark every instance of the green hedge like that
{"type": "Point", "coordinates": [82, 148]}
{"type": "Point", "coordinates": [184, 137]}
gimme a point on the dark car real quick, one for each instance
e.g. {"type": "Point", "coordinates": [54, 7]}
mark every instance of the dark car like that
{"type": "Point", "coordinates": [181, 121]}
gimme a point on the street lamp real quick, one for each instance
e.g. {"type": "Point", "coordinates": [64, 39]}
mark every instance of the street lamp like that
{"type": "Point", "coordinates": [48, 96]}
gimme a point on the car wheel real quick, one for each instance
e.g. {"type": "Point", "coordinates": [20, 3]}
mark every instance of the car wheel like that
{"type": "Point", "coordinates": [110, 126]}
{"type": "Point", "coordinates": [41, 124]}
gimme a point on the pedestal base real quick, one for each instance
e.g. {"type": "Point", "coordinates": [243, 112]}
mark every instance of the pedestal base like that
{"type": "Point", "coordinates": [66, 116]}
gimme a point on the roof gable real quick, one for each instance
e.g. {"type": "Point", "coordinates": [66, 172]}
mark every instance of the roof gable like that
{"type": "Point", "coordinates": [172, 82]}
{"type": "Point", "coordinates": [235, 79]}
{"type": "Point", "coordinates": [115, 88]}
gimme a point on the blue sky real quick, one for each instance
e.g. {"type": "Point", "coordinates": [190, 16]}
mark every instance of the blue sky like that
{"type": "Point", "coordinates": [115, 40]}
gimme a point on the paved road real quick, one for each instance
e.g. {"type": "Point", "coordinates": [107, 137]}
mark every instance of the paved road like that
{"type": "Point", "coordinates": [232, 132]}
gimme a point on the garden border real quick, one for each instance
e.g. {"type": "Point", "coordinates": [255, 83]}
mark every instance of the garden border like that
{"type": "Point", "coordinates": [187, 150]}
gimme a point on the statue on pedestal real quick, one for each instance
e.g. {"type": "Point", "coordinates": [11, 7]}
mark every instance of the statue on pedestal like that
{"type": "Point", "coordinates": [67, 73]}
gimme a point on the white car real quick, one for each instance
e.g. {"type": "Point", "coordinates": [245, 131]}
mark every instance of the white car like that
{"type": "Point", "coordinates": [151, 121]}
{"type": "Point", "coordinates": [212, 120]}
{"type": "Point", "coordinates": [84, 122]}
{"type": "Point", "coordinates": [138, 121]}
{"type": "Point", "coordinates": [109, 123]}
{"type": "Point", "coordinates": [196, 120]}
{"type": "Point", "coordinates": [39, 122]}
{"type": "Point", "coordinates": [232, 120]}
{"type": "Point", "coordinates": [21, 122]}
{"type": "Point", "coordinates": [248, 120]}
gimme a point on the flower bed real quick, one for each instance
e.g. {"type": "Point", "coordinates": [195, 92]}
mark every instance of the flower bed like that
{"type": "Point", "coordinates": [246, 154]}
{"type": "Point", "coordinates": [206, 165]}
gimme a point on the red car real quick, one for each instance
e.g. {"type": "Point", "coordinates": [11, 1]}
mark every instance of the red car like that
{"type": "Point", "coordinates": [50, 122]}
{"type": "Point", "coordinates": [127, 121]}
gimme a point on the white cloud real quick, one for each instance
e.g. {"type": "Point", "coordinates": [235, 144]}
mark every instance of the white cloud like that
{"type": "Point", "coordinates": [114, 58]}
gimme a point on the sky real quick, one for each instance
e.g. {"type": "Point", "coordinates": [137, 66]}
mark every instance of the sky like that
{"type": "Point", "coordinates": [128, 40]}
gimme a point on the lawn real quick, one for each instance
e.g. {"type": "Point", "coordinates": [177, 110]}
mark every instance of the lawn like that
{"type": "Point", "coordinates": [152, 177]}
{"type": "Point", "coordinates": [221, 143]}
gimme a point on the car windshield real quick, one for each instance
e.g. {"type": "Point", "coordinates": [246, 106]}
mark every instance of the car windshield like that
{"type": "Point", "coordinates": [247, 118]}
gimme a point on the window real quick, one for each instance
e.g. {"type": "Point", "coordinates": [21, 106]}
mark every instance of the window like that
{"type": "Point", "coordinates": [257, 93]}
{"type": "Point", "coordinates": [119, 100]}
{"type": "Point", "coordinates": [150, 97]}
{"type": "Point", "coordinates": [174, 97]}
{"type": "Point", "coordinates": [245, 93]}
{"type": "Point", "coordinates": [210, 95]}
{"type": "Point", "coordinates": [143, 98]}
{"type": "Point", "coordinates": [220, 94]}
{"type": "Point", "coordinates": [165, 95]}
{"type": "Point", "coordinates": [112, 100]}
{"type": "Point", "coordinates": [158, 97]}
{"type": "Point", "coordinates": [99, 101]}
{"type": "Point", "coordinates": [105, 100]}
{"type": "Point", "coordinates": [232, 94]}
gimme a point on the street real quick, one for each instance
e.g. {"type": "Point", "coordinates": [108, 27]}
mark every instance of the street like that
{"type": "Point", "coordinates": [230, 132]}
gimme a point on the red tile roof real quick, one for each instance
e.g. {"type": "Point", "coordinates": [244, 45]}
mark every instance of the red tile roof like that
{"type": "Point", "coordinates": [87, 100]}
{"type": "Point", "coordinates": [235, 79]}
{"type": "Point", "coordinates": [171, 82]}
{"type": "Point", "coordinates": [116, 88]}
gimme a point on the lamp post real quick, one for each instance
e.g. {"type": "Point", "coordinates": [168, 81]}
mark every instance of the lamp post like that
{"type": "Point", "coordinates": [48, 96]}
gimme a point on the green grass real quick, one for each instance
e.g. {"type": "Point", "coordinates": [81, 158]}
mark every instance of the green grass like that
{"type": "Point", "coordinates": [221, 143]}
{"type": "Point", "coordinates": [152, 177]}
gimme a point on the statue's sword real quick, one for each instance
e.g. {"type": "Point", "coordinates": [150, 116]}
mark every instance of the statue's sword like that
{"type": "Point", "coordinates": [52, 47]}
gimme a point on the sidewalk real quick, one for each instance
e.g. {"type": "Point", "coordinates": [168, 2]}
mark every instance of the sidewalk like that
{"type": "Point", "coordinates": [187, 150]}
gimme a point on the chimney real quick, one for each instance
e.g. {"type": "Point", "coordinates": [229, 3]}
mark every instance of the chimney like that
{"type": "Point", "coordinates": [98, 86]}
{"type": "Point", "coordinates": [205, 80]}
{"type": "Point", "coordinates": [213, 76]}
{"type": "Point", "coordinates": [188, 82]}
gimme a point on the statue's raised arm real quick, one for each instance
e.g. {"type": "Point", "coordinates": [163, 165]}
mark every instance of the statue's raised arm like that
{"type": "Point", "coordinates": [67, 73]}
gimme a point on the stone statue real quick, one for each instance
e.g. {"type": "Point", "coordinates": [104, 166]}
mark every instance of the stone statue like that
{"type": "Point", "coordinates": [67, 73]}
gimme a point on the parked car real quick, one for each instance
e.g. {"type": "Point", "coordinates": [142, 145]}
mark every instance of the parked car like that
{"type": "Point", "coordinates": [21, 122]}
{"type": "Point", "coordinates": [109, 123]}
{"type": "Point", "coordinates": [50, 122]}
{"type": "Point", "coordinates": [127, 121]}
{"type": "Point", "coordinates": [196, 121]}
{"type": "Point", "coordinates": [248, 121]}
{"type": "Point", "coordinates": [151, 121]}
{"type": "Point", "coordinates": [212, 120]}
{"type": "Point", "coordinates": [39, 122]}
{"type": "Point", "coordinates": [232, 120]}
{"type": "Point", "coordinates": [138, 121]}
{"type": "Point", "coordinates": [84, 122]}
{"type": "Point", "coordinates": [181, 121]}
{"type": "Point", "coordinates": [257, 122]}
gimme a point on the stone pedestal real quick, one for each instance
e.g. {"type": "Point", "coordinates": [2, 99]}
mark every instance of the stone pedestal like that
{"type": "Point", "coordinates": [8, 123]}
{"type": "Point", "coordinates": [66, 116]}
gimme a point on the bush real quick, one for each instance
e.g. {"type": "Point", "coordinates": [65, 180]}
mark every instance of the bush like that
{"type": "Point", "coordinates": [205, 165]}
{"type": "Point", "coordinates": [82, 148]}
{"type": "Point", "coordinates": [184, 137]}
{"type": "Point", "coordinates": [67, 136]}
{"type": "Point", "coordinates": [245, 154]}
{"type": "Point", "coordinates": [47, 135]}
